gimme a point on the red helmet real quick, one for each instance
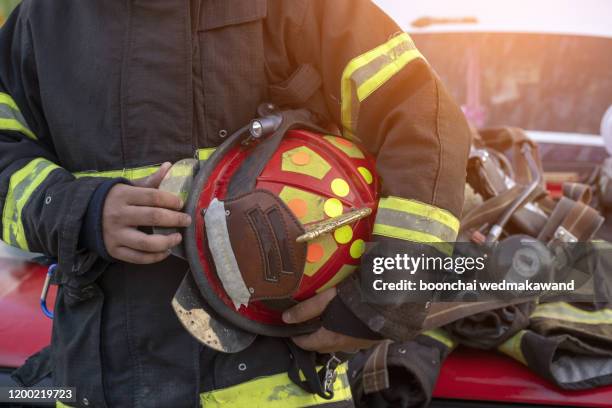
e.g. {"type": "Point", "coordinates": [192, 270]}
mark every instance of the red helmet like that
{"type": "Point", "coordinates": [298, 229]}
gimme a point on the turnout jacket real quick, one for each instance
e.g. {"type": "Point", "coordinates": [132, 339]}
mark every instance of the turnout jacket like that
{"type": "Point", "coordinates": [107, 89]}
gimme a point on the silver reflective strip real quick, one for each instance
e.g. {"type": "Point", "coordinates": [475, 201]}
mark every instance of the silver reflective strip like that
{"type": "Point", "coordinates": [367, 72]}
{"type": "Point", "coordinates": [8, 113]}
{"type": "Point", "coordinates": [223, 254]}
{"type": "Point", "coordinates": [11, 118]}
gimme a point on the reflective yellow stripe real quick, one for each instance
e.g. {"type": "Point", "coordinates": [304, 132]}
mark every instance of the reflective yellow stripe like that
{"type": "Point", "coordinates": [204, 154]}
{"type": "Point", "coordinates": [11, 117]}
{"type": "Point", "coordinates": [568, 313]}
{"type": "Point", "coordinates": [413, 236]}
{"type": "Point", "coordinates": [58, 404]}
{"type": "Point", "coordinates": [5, 99]}
{"type": "Point", "coordinates": [139, 172]}
{"type": "Point", "coordinates": [276, 391]}
{"type": "Point", "coordinates": [512, 347]}
{"type": "Point", "coordinates": [410, 220]}
{"type": "Point", "coordinates": [421, 209]}
{"type": "Point", "coordinates": [13, 124]}
{"type": "Point", "coordinates": [370, 71]}
{"type": "Point", "coordinates": [385, 74]}
{"type": "Point", "coordinates": [130, 174]}
{"type": "Point", "coordinates": [21, 186]}
{"type": "Point", "coordinates": [441, 336]}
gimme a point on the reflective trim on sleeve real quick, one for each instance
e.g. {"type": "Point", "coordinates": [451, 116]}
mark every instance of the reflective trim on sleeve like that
{"type": "Point", "coordinates": [568, 313]}
{"type": "Point", "coordinates": [441, 336]}
{"type": "Point", "coordinates": [276, 391]}
{"type": "Point", "coordinates": [370, 71]}
{"type": "Point", "coordinates": [413, 236]}
{"type": "Point", "coordinates": [11, 117]}
{"type": "Point", "coordinates": [21, 186]}
{"type": "Point", "coordinates": [414, 221]}
{"type": "Point", "coordinates": [421, 209]}
{"type": "Point", "coordinates": [512, 347]}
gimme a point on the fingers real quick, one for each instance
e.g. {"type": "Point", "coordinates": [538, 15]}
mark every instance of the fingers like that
{"type": "Point", "coordinates": [149, 197]}
{"type": "Point", "coordinates": [138, 257]}
{"type": "Point", "coordinates": [310, 308]}
{"type": "Point", "coordinates": [326, 341]}
{"type": "Point", "coordinates": [155, 217]}
{"type": "Point", "coordinates": [134, 239]}
{"type": "Point", "coordinates": [318, 341]}
{"type": "Point", "coordinates": [128, 207]}
{"type": "Point", "coordinates": [155, 179]}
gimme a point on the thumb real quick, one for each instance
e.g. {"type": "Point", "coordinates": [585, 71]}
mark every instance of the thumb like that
{"type": "Point", "coordinates": [155, 179]}
{"type": "Point", "coordinates": [309, 308]}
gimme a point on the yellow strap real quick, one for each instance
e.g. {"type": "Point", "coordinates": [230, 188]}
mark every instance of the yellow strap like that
{"type": "Point", "coordinates": [421, 209]}
{"type": "Point", "coordinates": [276, 391]}
{"type": "Point", "coordinates": [441, 336]}
{"type": "Point", "coordinates": [368, 72]}
{"type": "Point", "coordinates": [512, 347]}
{"type": "Point", "coordinates": [568, 313]}
{"type": "Point", "coordinates": [22, 184]}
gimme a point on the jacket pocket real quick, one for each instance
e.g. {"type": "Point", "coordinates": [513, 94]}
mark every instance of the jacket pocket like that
{"type": "Point", "coordinates": [222, 13]}
{"type": "Point", "coordinates": [75, 341]}
{"type": "Point", "coordinates": [232, 64]}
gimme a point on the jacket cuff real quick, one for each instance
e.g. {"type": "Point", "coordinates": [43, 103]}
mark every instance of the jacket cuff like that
{"type": "Point", "coordinates": [91, 236]}
{"type": "Point", "coordinates": [71, 261]}
{"type": "Point", "coordinates": [338, 318]}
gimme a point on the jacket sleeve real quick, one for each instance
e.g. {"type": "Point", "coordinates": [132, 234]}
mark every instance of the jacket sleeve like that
{"type": "Point", "coordinates": [42, 204]}
{"type": "Point", "coordinates": [382, 92]}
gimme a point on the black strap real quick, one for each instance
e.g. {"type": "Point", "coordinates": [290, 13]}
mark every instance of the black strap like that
{"type": "Point", "coordinates": [305, 362]}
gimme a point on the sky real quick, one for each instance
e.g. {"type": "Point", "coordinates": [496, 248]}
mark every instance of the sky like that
{"type": "Point", "coordinates": [589, 17]}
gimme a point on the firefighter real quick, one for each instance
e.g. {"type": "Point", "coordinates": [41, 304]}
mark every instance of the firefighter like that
{"type": "Point", "coordinates": [95, 95]}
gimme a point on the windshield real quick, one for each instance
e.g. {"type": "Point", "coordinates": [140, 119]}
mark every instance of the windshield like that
{"type": "Point", "coordinates": [535, 81]}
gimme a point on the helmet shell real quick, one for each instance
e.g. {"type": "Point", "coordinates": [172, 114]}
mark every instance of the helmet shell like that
{"type": "Point", "coordinates": [318, 177]}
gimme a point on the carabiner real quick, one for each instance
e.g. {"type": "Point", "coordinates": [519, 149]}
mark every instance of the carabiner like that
{"type": "Point", "coordinates": [45, 291]}
{"type": "Point", "coordinates": [330, 376]}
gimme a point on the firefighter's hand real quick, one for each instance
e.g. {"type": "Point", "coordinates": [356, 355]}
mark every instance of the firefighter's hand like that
{"type": "Point", "coordinates": [323, 340]}
{"type": "Point", "coordinates": [128, 207]}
